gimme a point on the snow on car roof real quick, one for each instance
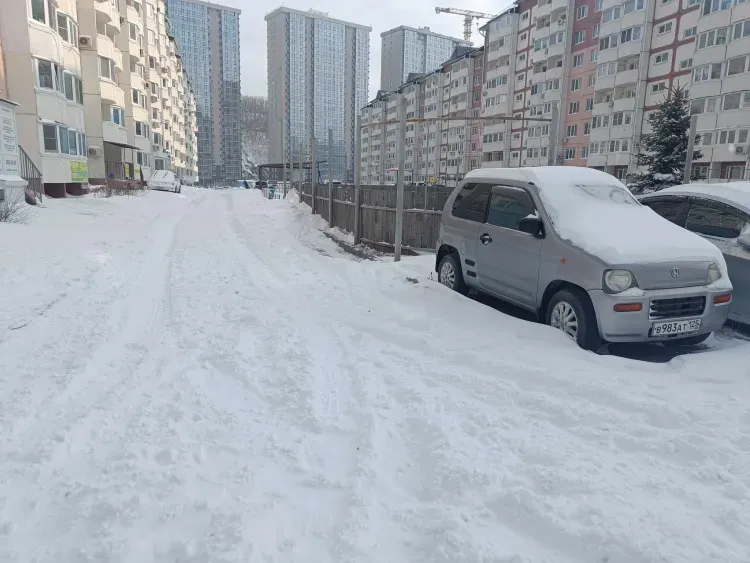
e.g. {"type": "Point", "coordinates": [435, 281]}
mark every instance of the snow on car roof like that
{"type": "Point", "coordinates": [736, 194]}
{"type": "Point", "coordinates": [597, 213]}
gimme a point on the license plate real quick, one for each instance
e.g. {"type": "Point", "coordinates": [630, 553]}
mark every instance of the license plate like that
{"type": "Point", "coordinates": [675, 327]}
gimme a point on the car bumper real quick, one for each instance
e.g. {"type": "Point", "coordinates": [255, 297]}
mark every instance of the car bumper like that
{"type": "Point", "coordinates": [636, 326]}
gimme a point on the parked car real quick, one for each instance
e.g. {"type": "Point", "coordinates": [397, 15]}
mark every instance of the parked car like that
{"type": "Point", "coordinates": [165, 180]}
{"type": "Point", "coordinates": [719, 213]}
{"type": "Point", "coordinates": [575, 247]}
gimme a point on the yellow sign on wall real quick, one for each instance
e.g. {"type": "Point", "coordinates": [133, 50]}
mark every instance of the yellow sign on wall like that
{"type": "Point", "coordinates": [79, 172]}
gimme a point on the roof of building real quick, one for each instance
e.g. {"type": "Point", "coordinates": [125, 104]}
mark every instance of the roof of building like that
{"type": "Point", "coordinates": [425, 30]}
{"type": "Point", "coordinates": [512, 10]}
{"type": "Point", "coordinates": [313, 14]}
{"type": "Point", "coordinates": [214, 5]}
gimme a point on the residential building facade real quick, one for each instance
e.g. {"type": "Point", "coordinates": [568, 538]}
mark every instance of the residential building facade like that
{"type": "Point", "coordinates": [573, 82]}
{"type": "Point", "coordinates": [209, 38]}
{"type": "Point", "coordinates": [406, 50]}
{"type": "Point", "coordinates": [318, 79]}
{"type": "Point", "coordinates": [97, 82]}
{"type": "Point", "coordinates": [446, 143]}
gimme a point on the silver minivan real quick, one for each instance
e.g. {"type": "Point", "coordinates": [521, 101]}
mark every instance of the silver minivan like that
{"type": "Point", "coordinates": [575, 247]}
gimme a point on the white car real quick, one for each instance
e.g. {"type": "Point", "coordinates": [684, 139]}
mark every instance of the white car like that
{"type": "Point", "coordinates": [165, 180]}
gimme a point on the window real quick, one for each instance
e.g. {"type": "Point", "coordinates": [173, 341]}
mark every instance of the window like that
{"type": "Point", "coordinates": [593, 55]}
{"type": "Point", "coordinates": [667, 208]}
{"type": "Point", "coordinates": [73, 142]}
{"type": "Point", "coordinates": [62, 27]}
{"type": "Point", "coordinates": [570, 153]}
{"type": "Point", "coordinates": [710, 6]}
{"type": "Point", "coordinates": [608, 42]}
{"type": "Point", "coordinates": [687, 63]}
{"type": "Point", "coordinates": [631, 34]}
{"type": "Point", "coordinates": [664, 28]}
{"type": "Point", "coordinates": [714, 220]}
{"type": "Point", "coordinates": [610, 14]}
{"type": "Point", "coordinates": [742, 29]}
{"type": "Point", "coordinates": [573, 107]}
{"type": "Point", "coordinates": [508, 206]}
{"type": "Point", "coordinates": [578, 60]}
{"type": "Point", "coordinates": [49, 132]}
{"type": "Point", "coordinates": [736, 65]}
{"type": "Point", "coordinates": [571, 131]}
{"type": "Point", "coordinates": [595, 30]}
{"type": "Point", "coordinates": [118, 116]}
{"type": "Point", "coordinates": [69, 89]}
{"type": "Point", "coordinates": [37, 11]}
{"type": "Point", "coordinates": [587, 128]}
{"type": "Point", "coordinates": [712, 38]}
{"type": "Point", "coordinates": [585, 152]}
{"type": "Point", "coordinates": [732, 101]}
{"type": "Point", "coordinates": [632, 6]}
{"type": "Point", "coordinates": [661, 58]}
{"type": "Point", "coordinates": [597, 5]}
{"type": "Point", "coordinates": [471, 202]}
{"type": "Point", "coordinates": [707, 72]}
{"type": "Point", "coordinates": [52, 14]}
{"type": "Point", "coordinates": [658, 87]}
{"type": "Point", "coordinates": [589, 104]}
{"type": "Point", "coordinates": [689, 32]}
{"type": "Point", "coordinates": [107, 68]}
{"type": "Point", "coordinates": [580, 36]}
{"type": "Point", "coordinates": [575, 84]}
{"type": "Point", "coordinates": [44, 74]}
{"type": "Point", "coordinates": [581, 12]}
{"type": "Point", "coordinates": [151, 37]}
{"type": "Point", "coordinates": [592, 80]}
{"type": "Point", "coordinates": [64, 140]}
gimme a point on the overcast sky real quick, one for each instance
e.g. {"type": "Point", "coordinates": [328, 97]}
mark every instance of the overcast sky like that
{"type": "Point", "coordinates": [381, 15]}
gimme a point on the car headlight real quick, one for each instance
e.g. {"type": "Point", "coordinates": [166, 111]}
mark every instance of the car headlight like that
{"type": "Point", "coordinates": [617, 281]}
{"type": "Point", "coordinates": [714, 273]}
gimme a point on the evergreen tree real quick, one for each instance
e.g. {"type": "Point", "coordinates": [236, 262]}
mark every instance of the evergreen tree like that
{"type": "Point", "coordinates": [664, 151]}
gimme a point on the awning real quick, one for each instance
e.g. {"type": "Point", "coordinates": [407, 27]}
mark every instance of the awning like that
{"type": "Point", "coordinates": [123, 145]}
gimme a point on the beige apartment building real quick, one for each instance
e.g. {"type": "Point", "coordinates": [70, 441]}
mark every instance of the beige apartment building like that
{"type": "Point", "coordinates": [101, 91]}
{"type": "Point", "coordinates": [594, 70]}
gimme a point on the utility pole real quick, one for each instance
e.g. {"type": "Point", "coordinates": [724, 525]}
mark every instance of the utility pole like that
{"type": "Point", "coordinates": [357, 179]}
{"type": "Point", "coordinates": [688, 172]}
{"type": "Point", "coordinates": [401, 147]}
{"type": "Point", "coordinates": [313, 177]}
{"type": "Point", "coordinates": [330, 177]}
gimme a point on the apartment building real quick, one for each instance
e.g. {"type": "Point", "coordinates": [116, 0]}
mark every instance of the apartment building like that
{"type": "Point", "coordinates": [407, 50]}
{"type": "Point", "coordinates": [209, 38]}
{"type": "Point", "coordinates": [97, 83]}
{"type": "Point", "coordinates": [318, 75]}
{"type": "Point", "coordinates": [443, 147]}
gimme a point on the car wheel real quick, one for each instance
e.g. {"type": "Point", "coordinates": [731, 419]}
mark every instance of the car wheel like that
{"type": "Point", "coordinates": [689, 341]}
{"type": "Point", "coordinates": [571, 312]}
{"type": "Point", "coordinates": [450, 274]}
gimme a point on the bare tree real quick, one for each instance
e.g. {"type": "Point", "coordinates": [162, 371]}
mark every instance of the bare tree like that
{"type": "Point", "coordinates": [14, 209]}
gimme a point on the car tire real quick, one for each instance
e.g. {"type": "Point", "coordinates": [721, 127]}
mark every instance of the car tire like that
{"type": "Point", "coordinates": [450, 274]}
{"type": "Point", "coordinates": [571, 311]}
{"type": "Point", "coordinates": [689, 341]}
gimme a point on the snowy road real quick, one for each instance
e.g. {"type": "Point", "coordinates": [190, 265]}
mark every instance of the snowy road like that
{"type": "Point", "coordinates": [208, 378]}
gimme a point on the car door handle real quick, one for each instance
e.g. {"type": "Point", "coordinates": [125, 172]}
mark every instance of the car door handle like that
{"type": "Point", "coordinates": [485, 238]}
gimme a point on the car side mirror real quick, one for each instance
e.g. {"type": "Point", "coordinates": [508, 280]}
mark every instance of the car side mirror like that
{"type": "Point", "coordinates": [744, 240]}
{"type": "Point", "coordinates": [532, 226]}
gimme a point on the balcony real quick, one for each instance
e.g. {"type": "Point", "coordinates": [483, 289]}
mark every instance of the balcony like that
{"type": "Point", "coordinates": [113, 133]}
{"type": "Point", "coordinates": [626, 77]}
{"type": "Point", "coordinates": [624, 104]}
{"type": "Point", "coordinates": [108, 15]}
{"type": "Point", "coordinates": [618, 159]}
{"type": "Point", "coordinates": [111, 93]}
{"type": "Point", "coordinates": [135, 50]}
{"type": "Point", "coordinates": [106, 48]}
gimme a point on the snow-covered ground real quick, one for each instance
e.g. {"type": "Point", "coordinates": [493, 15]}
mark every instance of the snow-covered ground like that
{"type": "Point", "coordinates": [206, 377]}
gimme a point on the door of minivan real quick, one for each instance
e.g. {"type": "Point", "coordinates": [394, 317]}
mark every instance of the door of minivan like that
{"type": "Point", "coordinates": [508, 259]}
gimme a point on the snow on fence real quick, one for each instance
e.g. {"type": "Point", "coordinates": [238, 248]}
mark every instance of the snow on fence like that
{"type": "Point", "coordinates": [423, 207]}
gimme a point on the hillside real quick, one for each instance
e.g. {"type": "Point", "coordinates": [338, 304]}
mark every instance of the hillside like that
{"type": "Point", "coordinates": [253, 116]}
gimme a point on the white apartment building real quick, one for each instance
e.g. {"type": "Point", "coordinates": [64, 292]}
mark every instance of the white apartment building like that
{"type": "Point", "coordinates": [439, 149]}
{"type": "Point", "coordinates": [81, 72]}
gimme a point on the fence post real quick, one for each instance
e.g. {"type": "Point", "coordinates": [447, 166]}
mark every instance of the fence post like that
{"type": "Point", "coordinates": [690, 148]}
{"type": "Point", "coordinates": [357, 180]}
{"type": "Point", "coordinates": [330, 178]}
{"type": "Point", "coordinates": [313, 178]}
{"type": "Point", "coordinates": [401, 146]}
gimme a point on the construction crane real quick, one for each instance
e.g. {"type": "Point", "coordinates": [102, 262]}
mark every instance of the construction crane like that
{"type": "Point", "coordinates": [469, 17]}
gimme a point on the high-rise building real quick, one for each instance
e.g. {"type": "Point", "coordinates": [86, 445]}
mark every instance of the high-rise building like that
{"type": "Point", "coordinates": [406, 50]}
{"type": "Point", "coordinates": [318, 72]}
{"type": "Point", "coordinates": [209, 39]}
{"type": "Point", "coordinates": [101, 91]}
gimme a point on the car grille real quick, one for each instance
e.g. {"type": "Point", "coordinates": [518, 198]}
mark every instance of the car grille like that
{"type": "Point", "coordinates": [677, 307]}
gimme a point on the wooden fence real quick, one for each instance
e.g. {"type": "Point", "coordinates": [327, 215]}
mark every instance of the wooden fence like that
{"type": "Point", "coordinates": [423, 208]}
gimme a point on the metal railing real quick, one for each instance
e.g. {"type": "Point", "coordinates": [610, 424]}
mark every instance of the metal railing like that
{"type": "Point", "coordinates": [31, 173]}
